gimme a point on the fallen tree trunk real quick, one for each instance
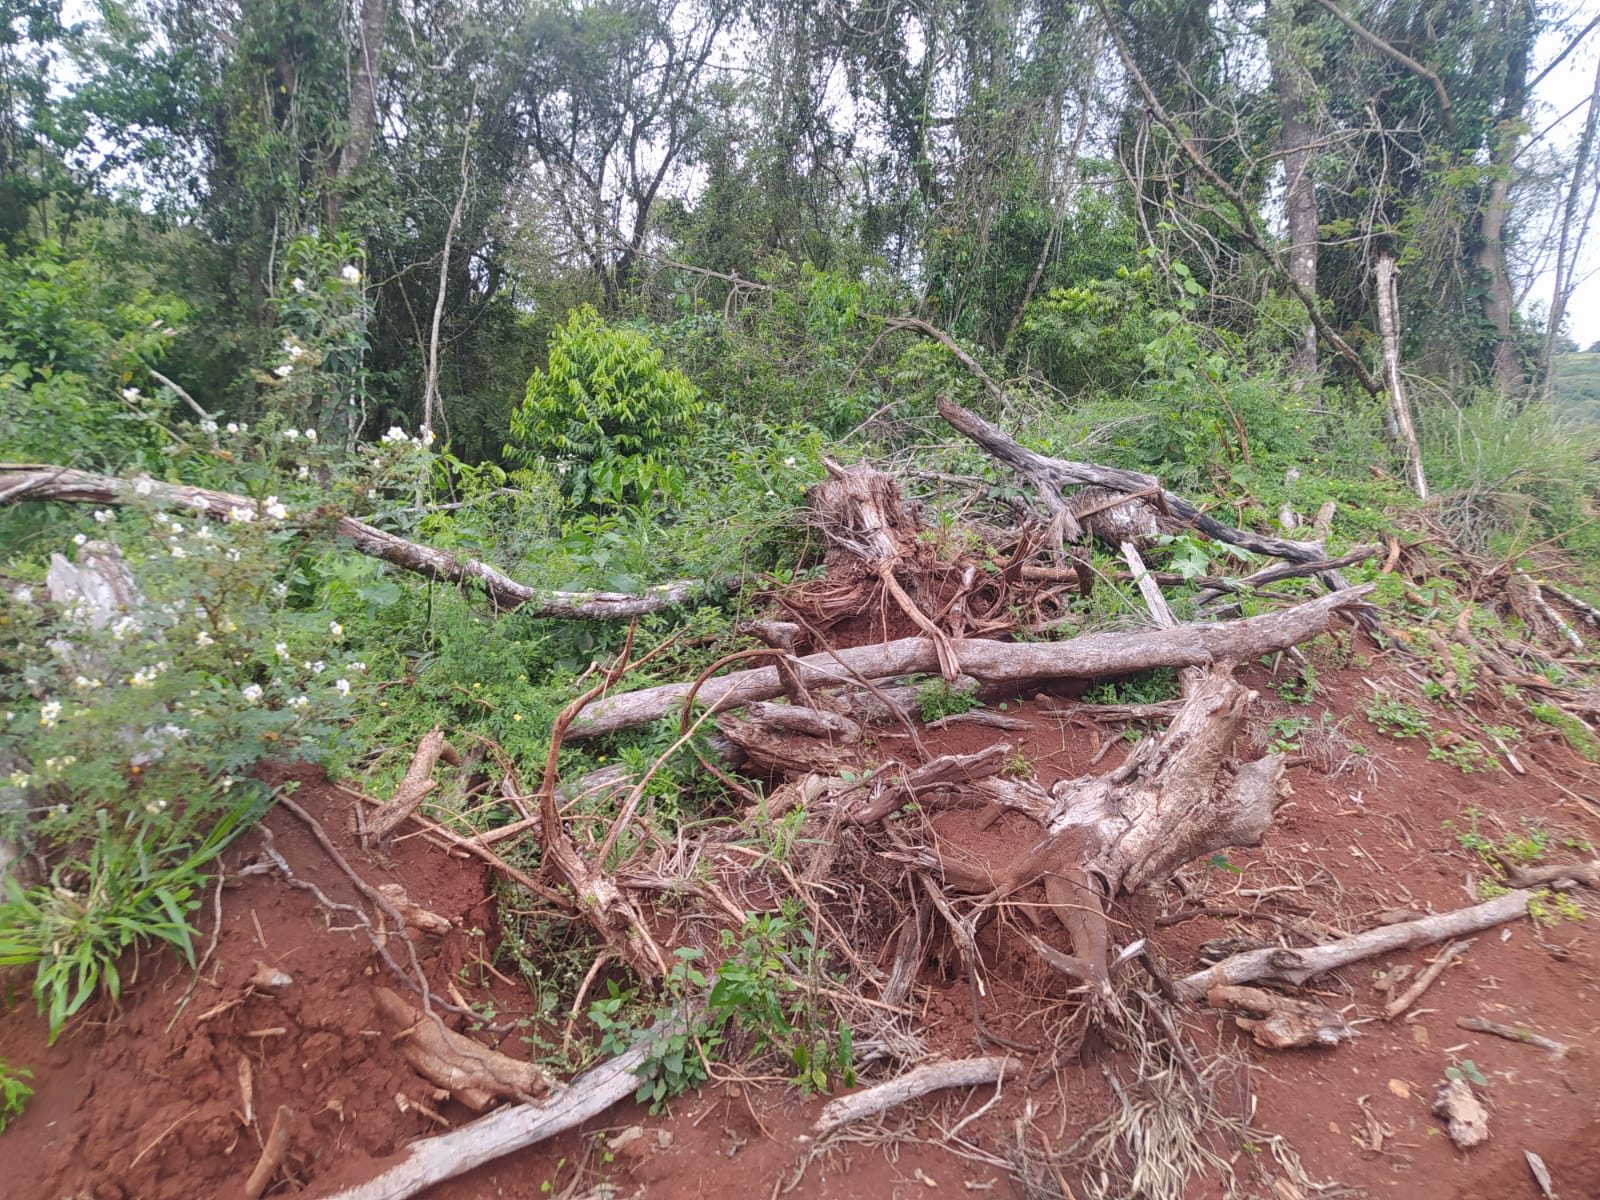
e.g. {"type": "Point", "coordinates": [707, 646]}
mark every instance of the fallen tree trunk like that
{"type": "Point", "coordinates": [63, 485]}
{"type": "Point", "coordinates": [1087, 657]}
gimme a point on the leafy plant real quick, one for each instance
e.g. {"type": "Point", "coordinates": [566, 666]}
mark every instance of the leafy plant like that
{"type": "Point", "coordinates": [1153, 686]}
{"type": "Point", "coordinates": [1398, 719]}
{"type": "Point", "coordinates": [939, 698]}
{"type": "Point", "coordinates": [607, 412]}
{"type": "Point", "coordinates": [14, 1092]}
{"type": "Point", "coordinates": [1466, 1069]}
{"type": "Point", "coordinates": [124, 892]}
{"type": "Point", "coordinates": [1579, 736]}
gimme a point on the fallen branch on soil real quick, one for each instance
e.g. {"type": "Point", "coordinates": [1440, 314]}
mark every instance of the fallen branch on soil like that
{"type": "Point", "coordinates": [1514, 1033]}
{"type": "Point", "coordinates": [272, 1153]}
{"type": "Point", "coordinates": [1424, 981]}
{"type": "Point", "coordinates": [919, 1081]}
{"type": "Point", "coordinates": [1283, 965]}
{"type": "Point", "coordinates": [1086, 657]}
{"type": "Point", "coordinates": [28, 481]}
{"type": "Point", "coordinates": [471, 1072]}
{"type": "Point", "coordinates": [416, 785]}
{"type": "Point", "coordinates": [447, 1155]}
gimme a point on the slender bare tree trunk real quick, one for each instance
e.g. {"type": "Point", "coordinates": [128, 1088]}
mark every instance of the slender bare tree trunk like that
{"type": "Point", "coordinates": [1570, 246]}
{"type": "Point", "coordinates": [431, 407]}
{"type": "Point", "coordinates": [1389, 332]}
{"type": "Point", "coordinates": [1289, 81]}
{"type": "Point", "coordinates": [1499, 304]}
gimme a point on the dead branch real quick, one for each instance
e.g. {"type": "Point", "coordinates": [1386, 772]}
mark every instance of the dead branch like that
{"type": "Point", "coordinates": [1086, 657]}
{"type": "Point", "coordinates": [416, 785]}
{"type": "Point", "coordinates": [1050, 475]}
{"type": "Point", "coordinates": [1284, 965]}
{"type": "Point", "coordinates": [427, 1162]}
{"type": "Point", "coordinates": [605, 905]}
{"type": "Point", "coordinates": [26, 481]}
{"type": "Point", "coordinates": [272, 1153]}
{"type": "Point", "coordinates": [471, 1072]}
{"type": "Point", "coordinates": [1514, 1033]}
{"type": "Point", "coordinates": [919, 1081]}
{"type": "Point", "coordinates": [1424, 981]}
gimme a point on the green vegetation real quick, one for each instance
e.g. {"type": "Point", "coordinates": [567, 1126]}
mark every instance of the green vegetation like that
{"type": "Point", "coordinates": [600, 326]}
{"type": "Point", "coordinates": [14, 1092]}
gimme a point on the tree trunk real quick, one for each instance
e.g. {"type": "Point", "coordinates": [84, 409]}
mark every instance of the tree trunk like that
{"type": "Point", "coordinates": [1400, 407]}
{"type": "Point", "coordinates": [363, 120]}
{"type": "Point", "coordinates": [1290, 83]}
{"type": "Point", "coordinates": [1499, 304]}
{"type": "Point", "coordinates": [1570, 247]}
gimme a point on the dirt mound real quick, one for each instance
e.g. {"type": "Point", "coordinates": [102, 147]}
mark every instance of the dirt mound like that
{"type": "Point", "coordinates": [150, 1104]}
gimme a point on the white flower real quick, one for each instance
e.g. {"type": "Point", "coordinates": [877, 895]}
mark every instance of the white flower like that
{"type": "Point", "coordinates": [280, 589]}
{"type": "Point", "coordinates": [203, 534]}
{"type": "Point", "coordinates": [372, 493]}
{"type": "Point", "coordinates": [316, 668]}
{"type": "Point", "coordinates": [20, 779]}
{"type": "Point", "coordinates": [102, 515]}
{"type": "Point", "coordinates": [395, 434]}
{"type": "Point", "coordinates": [289, 435]}
{"type": "Point", "coordinates": [208, 426]}
{"type": "Point", "coordinates": [282, 372]}
{"type": "Point", "coordinates": [233, 427]}
{"type": "Point", "coordinates": [204, 639]}
{"type": "Point", "coordinates": [427, 436]}
{"type": "Point", "coordinates": [789, 462]}
{"type": "Point", "coordinates": [300, 702]}
{"type": "Point", "coordinates": [310, 435]}
{"type": "Point", "coordinates": [130, 394]}
{"type": "Point", "coordinates": [336, 629]}
{"type": "Point", "coordinates": [295, 353]}
{"type": "Point", "coordinates": [241, 514]}
{"type": "Point", "coordinates": [78, 539]}
{"type": "Point", "coordinates": [233, 554]}
{"type": "Point", "coordinates": [122, 627]}
{"type": "Point", "coordinates": [251, 692]}
{"type": "Point", "coordinates": [50, 713]}
{"type": "Point", "coordinates": [298, 285]}
{"type": "Point", "coordinates": [177, 552]}
{"type": "Point", "coordinates": [342, 686]}
{"type": "Point", "coordinates": [303, 473]}
{"type": "Point", "coordinates": [275, 510]}
{"type": "Point", "coordinates": [23, 595]}
{"type": "Point", "coordinates": [227, 782]}
{"type": "Point", "coordinates": [84, 681]}
{"type": "Point", "coordinates": [350, 274]}
{"type": "Point", "coordinates": [282, 650]}
{"type": "Point", "coordinates": [175, 527]}
{"type": "Point", "coordinates": [143, 485]}
{"type": "Point", "coordinates": [356, 667]}
{"type": "Point", "coordinates": [155, 807]}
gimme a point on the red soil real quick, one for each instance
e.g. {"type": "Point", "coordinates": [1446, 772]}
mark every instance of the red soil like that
{"type": "Point", "coordinates": [144, 1101]}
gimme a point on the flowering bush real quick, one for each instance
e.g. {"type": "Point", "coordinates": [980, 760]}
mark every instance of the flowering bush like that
{"type": "Point", "coordinates": [128, 732]}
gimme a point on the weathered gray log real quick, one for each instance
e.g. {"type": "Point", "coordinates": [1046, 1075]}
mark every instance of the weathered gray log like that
{"type": "Point", "coordinates": [1282, 965]}
{"type": "Point", "coordinates": [1086, 657]}
{"type": "Point", "coordinates": [919, 1081]}
{"type": "Point", "coordinates": [32, 482]}
{"type": "Point", "coordinates": [435, 1159]}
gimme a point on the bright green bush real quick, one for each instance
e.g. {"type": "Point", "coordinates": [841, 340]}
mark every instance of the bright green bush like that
{"type": "Point", "coordinates": [608, 413]}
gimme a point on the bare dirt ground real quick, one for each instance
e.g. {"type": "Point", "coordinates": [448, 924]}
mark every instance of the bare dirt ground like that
{"type": "Point", "coordinates": [146, 1100]}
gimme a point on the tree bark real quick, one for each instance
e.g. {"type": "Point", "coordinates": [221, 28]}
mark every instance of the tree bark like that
{"type": "Point", "coordinates": [1290, 83]}
{"type": "Point", "coordinates": [1085, 657]}
{"type": "Point", "coordinates": [1570, 245]}
{"type": "Point", "coordinates": [363, 118]}
{"type": "Point", "coordinates": [1499, 305]}
{"type": "Point", "coordinates": [1399, 406]}
{"type": "Point", "coordinates": [27, 481]}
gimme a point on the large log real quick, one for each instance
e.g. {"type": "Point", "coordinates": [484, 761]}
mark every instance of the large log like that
{"type": "Point", "coordinates": [1087, 657]}
{"type": "Point", "coordinates": [26, 481]}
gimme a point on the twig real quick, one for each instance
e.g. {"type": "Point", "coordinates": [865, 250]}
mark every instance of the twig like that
{"type": "Point", "coordinates": [1424, 981]}
{"type": "Point", "coordinates": [1514, 1033]}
